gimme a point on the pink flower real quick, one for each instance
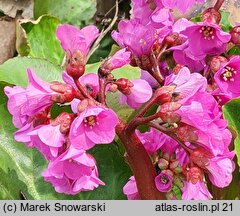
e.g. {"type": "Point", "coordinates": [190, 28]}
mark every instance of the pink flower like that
{"type": "Point", "coordinates": [48, 140]}
{"type": "Point", "coordinates": [139, 93]}
{"type": "Point", "coordinates": [73, 39]}
{"type": "Point", "coordinates": [182, 53]}
{"type": "Point", "coordinates": [90, 128]}
{"type": "Point", "coordinates": [76, 44]}
{"type": "Point", "coordinates": [135, 36]}
{"type": "Point", "coordinates": [220, 169]}
{"type": "Point", "coordinates": [162, 17]}
{"type": "Point", "coordinates": [119, 59]}
{"type": "Point", "coordinates": [141, 10]}
{"type": "Point", "coordinates": [149, 78]}
{"type": "Point", "coordinates": [154, 140]}
{"type": "Point", "coordinates": [16, 99]}
{"type": "Point", "coordinates": [151, 140]}
{"type": "Point", "coordinates": [72, 172]}
{"type": "Point", "coordinates": [24, 103]}
{"type": "Point", "coordinates": [182, 6]}
{"type": "Point", "coordinates": [130, 189]}
{"type": "Point", "coordinates": [200, 110]}
{"type": "Point", "coordinates": [228, 77]}
{"type": "Point", "coordinates": [163, 181]}
{"type": "Point", "coordinates": [206, 39]}
{"type": "Point", "coordinates": [187, 83]}
{"type": "Point", "coordinates": [196, 191]}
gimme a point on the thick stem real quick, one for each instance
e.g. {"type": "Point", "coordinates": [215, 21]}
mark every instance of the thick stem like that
{"type": "Point", "coordinates": [218, 4]}
{"type": "Point", "coordinates": [140, 164]}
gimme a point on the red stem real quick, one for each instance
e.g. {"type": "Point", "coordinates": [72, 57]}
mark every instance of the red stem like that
{"type": "Point", "coordinates": [101, 94]}
{"type": "Point", "coordinates": [82, 89]}
{"type": "Point", "coordinates": [218, 4]}
{"type": "Point", "coordinates": [140, 164]}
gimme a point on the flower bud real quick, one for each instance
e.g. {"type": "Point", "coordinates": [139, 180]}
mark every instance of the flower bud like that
{"type": "Point", "coordinates": [170, 195]}
{"type": "Point", "coordinates": [164, 94]}
{"type": "Point", "coordinates": [124, 85]}
{"type": "Point", "coordinates": [84, 104]}
{"type": "Point", "coordinates": [200, 157]}
{"type": "Point", "coordinates": [64, 120]}
{"type": "Point", "coordinates": [173, 39]}
{"type": "Point", "coordinates": [75, 64]}
{"type": "Point", "coordinates": [65, 92]}
{"type": "Point", "coordinates": [174, 165]}
{"type": "Point", "coordinates": [216, 63]}
{"type": "Point", "coordinates": [178, 181]}
{"type": "Point", "coordinates": [113, 88]}
{"type": "Point", "coordinates": [170, 117]}
{"type": "Point", "coordinates": [193, 174]}
{"type": "Point", "coordinates": [166, 156]}
{"type": "Point", "coordinates": [186, 133]}
{"type": "Point", "coordinates": [235, 35]}
{"type": "Point", "coordinates": [163, 163]}
{"type": "Point", "coordinates": [211, 15]}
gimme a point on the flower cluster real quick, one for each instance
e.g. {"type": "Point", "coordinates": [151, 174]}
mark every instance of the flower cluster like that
{"type": "Point", "coordinates": [186, 77]}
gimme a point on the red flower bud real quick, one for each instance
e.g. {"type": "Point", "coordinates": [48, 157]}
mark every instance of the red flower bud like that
{"type": "Point", "coordinates": [211, 15]}
{"type": "Point", "coordinates": [235, 35]}
{"type": "Point", "coordinates": [216, 63]}
{"type": "Point", "coordinates": [66, 93]}
{"type": "Point", "coordinates": [124, 85]}
{"type": "Point", "coordinates": [193, 174]}
{"type": "Point", "coordinates": [173, 39]}
{"type": "Point", "coordinates": [76, 64]}
{"type": "Point", "coordinates": [164, 94]}
{"type": "Point", "coordinates": [64, 120]}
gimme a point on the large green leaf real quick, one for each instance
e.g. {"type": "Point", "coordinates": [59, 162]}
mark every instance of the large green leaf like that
{"type": "Point", "coordinates": [231, 112]}
{"type": "Point", "coordinates": [14, 70]}
{"type": "Point", "coordinates": [39, 40]}
{"type": "Point", "coordinates": [75, 12]}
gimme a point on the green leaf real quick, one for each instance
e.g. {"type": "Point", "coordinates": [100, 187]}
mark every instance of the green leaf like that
{"type": "Point", "coordinates": [234, 51]}
{"type": "Point", "coordinates": [231, 112]}
{"type": "Point", "coordinates": [10, 190]}
{"type": "Point", "coordinates": [196, 18]}
{"type": "Point", "coordinates": [226, 25]}
{"type": "Point", "coordinates": [41, 39]}
{"type": "Point", "coordinates": [127, 71]}
{"type": "Point", "coordinates": [14, 71]}
{"type": "Point", "coordinates": [177, 192]}
{"type": "Point", "coordinates": [75, 12]}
